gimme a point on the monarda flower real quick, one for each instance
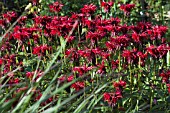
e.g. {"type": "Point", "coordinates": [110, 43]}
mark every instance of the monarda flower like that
{"type": "Point", "coordinates": [2, 23]}
{"type": "Point", "coordinates": [165, 76]}
{"type": "Point", "coordinates": [130, 55]}
{"type": "Point", "coordinates": [107, 6]}
{"type": "Point", "coordinates": [82, 69]}
{"type": "Point", "coordinates": [115, 64]}
{"type": "Point", "coordinates": [55, 7]}
{"type": "Point", "coordinates": [139, 38]}
{"type": "Point", "coordinates": [95, 35]}
{"type": "Point", "coordinates": [124, 29]}
{"type": "Point", "coordinates": [113, 21]}
{"type": "Point", "coordinates": [168, 86]}
{"type": "Point", "coordinates": [127, 8]}
{"type": "Point", "coordinates": [112, 98]}
{"type": "Point", "coordinates": [9, 16]}
{"type": "Point", "coordinates": [120, 84]}
{"type": "Point", "coordinates": [159, 31]}
{"type": "Point", "coordinates": [72, 52]}
{"type": "Point", "coordinates": [40, 50]}
{"type": "Point", "coordinates": [78, 85]}
{"type": "Point", "coordinates": [120, 41]}
{"type": "Point", "coordinates": [1, 61]}
{"type": "Point", "coordinates": [88, 9]}
{"type": "Point", "coordinates": [102, 68]}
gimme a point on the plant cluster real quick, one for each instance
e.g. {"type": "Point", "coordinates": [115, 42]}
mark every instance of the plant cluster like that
{"type": "Point", "coordinates": [83, 62]}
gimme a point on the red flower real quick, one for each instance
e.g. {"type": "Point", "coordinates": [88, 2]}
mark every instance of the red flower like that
{"type": "Point", "coordinates": [159, 31]}
{"type": "Point", "coordinates": [110, 45]}
{"type": "Point", "coordinates": [114, 21]}
{"type": "Point", "coordinates": [62, 79]}
{"type": "Point", "coordinates": [70, 78]}
{"type": "Point", "coordinates": [168, 86]}
{"type": "Point", "coordinates": [120, 41]}
{"type": "Point", "coordinates": [102, 68]}
{"type": "Point", "coordinates": [78, 85]}
{"type": "Point", "coordinates": [122, 83]}
{"type": "Point", "coordinates": [88, 9]}
{"type": "Point", "coordinates": [165, 76]}
{"type": "Point", "coordinates": [119, 84]}
{"type": "Point", "coordinates": [124, 29]}
{"type": "Point", "coordinates": [1, 61]}
{"type": "Point", "coordinates": [105, 55]}
{"type": "Point", "coordinates": [115, 64]}
{"type": "Point", "coordinates": [107, 6]}
{"type": "Point", "coordinates": [107, 97]}
{"type": "Point", "coordinates": [9, 16]}
{"type": "Point", "coordinates": [29, 75]}
{"type": "Point", "coordinates": [40, 50]}
{"type": "Point", "coordinates": [34, 2]}
{"type": "Point", "coordinates": [139, 37]}
{"type": "Point", "coordinates": [14, 81]}
{"type": "Point", "coordinates": [82, 69]}
{"type": "Point", "coordinates": [55, 7]}
{"type": "Point", "coordinates": [95, 35]}
{"type": "Point", "coordinates": [127, 8]}
{"type": "Point", "coordinates": [2, 23]}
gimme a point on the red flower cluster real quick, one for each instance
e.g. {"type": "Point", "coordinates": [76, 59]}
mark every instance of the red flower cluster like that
{"type": "Point", "coordinates": [132, 56]}
{"type": "Point", "coordinates": [158, 52]}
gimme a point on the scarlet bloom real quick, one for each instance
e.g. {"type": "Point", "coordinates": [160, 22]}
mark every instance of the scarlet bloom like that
{"type": "Point", "coordinates": [165, 76]}
{"type": "Point", "coordinates": [122, 83]}
{"type": "Point", "coordinates": [124, 29]}
{"type": "Point", "coordinates": [82, 69]}
{"type": "Point", "coordinates": [2, 23]}
{"type": "Point", "coordinates": [1, 61]}
{"type": "Point", "coordinates": [88, 9]}
{"type": "Point", "coordinates": [107, 6]}
{"type": "Point", "coordinates": [14, 81]}
{"type": "Point", "coordinates": [62, 78]}
{"type": "Point", "coordinates": [119, 84]}
{"type": "Point", "coordinates": [31, 74]}
{"type": "Point", "coordinates": [70, 78]}
{"type": "Point", "coordinates": [127, 8]}
{"type": "Point", "coordinates": [106, 97]}
{"type": "Point", "coordinates": [112, 98]}
{"type": "Point", "coordinates": [78, 85]}
{"type": "Point", "coordinates": [9, 16]}
{"type": "Point", "coordinates": [115, 64]}
{"type": "Point", "coordinates": [40, 50]}
{"type": "Point", "coordinates": [120, 41]}
{"type": "Point", "coordinates": [102, 68]}
{"type": "Point", "coordinates": [139, 37]}
{"type": "Point", "coordinates": [114, 21]}
{"type": "Point", "coordinates": [168, 86]}
{"type": "Point", "coordinates": [55, 7]}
